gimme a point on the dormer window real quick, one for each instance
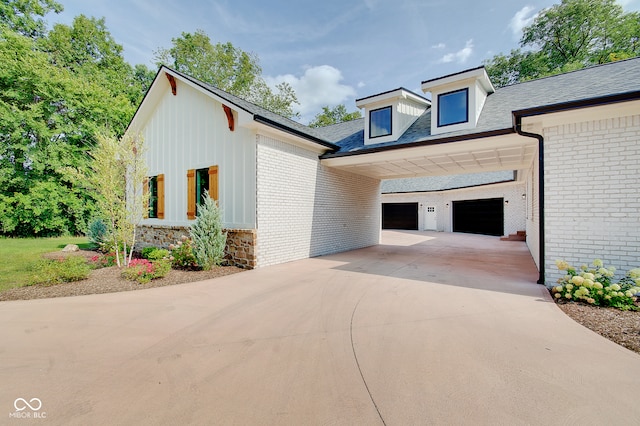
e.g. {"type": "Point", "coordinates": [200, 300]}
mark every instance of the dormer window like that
{"type": "Point", "coordinates": [453, 107]}
{"type": "Point", "coordinates": [380, 122]}
{"type": "Point", "coordinates": [388, 115]}
{"type": "Point", "coordinates": [458, 100]}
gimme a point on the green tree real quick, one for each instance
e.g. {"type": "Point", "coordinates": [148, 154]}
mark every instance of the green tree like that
{"type": "Point", "coordinates": [116, 176]}
{"type": "Point", "coordinates": [58, 90]}
{"type": "Point", "coordinates": [49, 117]}
{"type": "Point", "coordinates": [335, 115]}
{"type": "Point", "coordinates": [88, 50]}
{"type": "Point", "coordinates": [25, 16]}
{"type": "Point", "coordinates": [228, 68]}
{"type": "Point", "coordinates": [569, 36]}
{"type": "Point", "coordinates": [208, 237]}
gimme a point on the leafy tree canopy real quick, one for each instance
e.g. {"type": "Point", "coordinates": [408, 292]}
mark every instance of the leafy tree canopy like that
{"type": "Point", "coordinates": [568, 36]}
{"type": "Point", "coordinates": [87, 49]}
{"type": "Point", "coordinates": [25, 16]}
{"type": "Point", "coordinates": [228, 68]}
{"type": "Point", "coordinates": [335, 115]}
{"type": "Point", "coordinates": [57, 92]}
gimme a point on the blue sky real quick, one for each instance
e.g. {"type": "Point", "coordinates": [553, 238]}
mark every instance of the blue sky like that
{"type": "Point", "coordinates": [330, 51]}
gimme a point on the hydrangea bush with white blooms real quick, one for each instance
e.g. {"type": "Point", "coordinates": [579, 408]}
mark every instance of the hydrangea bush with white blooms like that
{"type": "Point", "coordinates": [594, 285]}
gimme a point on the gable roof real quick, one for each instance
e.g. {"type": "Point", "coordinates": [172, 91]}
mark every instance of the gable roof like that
{"type": "Point", "coordinates": [260, 114]}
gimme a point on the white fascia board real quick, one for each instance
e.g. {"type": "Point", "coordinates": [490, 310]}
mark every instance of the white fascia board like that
{"type": "Point", "coordinates": [389, 97]}
{"type": "Point", "coordinates": [592, 113]}
{"type": "Point", "coordinates": [149, 102]}
{"type": "Point", "coordinates": [479, 74]}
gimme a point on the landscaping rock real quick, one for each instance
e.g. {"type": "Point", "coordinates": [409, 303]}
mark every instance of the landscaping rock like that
{"type": "Point", "coordinates": [70, 248]}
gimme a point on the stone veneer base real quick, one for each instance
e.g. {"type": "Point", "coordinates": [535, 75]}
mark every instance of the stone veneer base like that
{"type": "Point", "coordinates": [240, 250]}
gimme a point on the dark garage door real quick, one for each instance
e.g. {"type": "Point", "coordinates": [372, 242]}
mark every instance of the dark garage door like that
{"type": "Point", "coordinates": [400, 216]}
{"type": "Point", "coordinates": [479, 216]}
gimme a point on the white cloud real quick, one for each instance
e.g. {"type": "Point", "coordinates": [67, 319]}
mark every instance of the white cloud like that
{"type": "Point", "coordinates": [521, 19]}
{"type": "Point", "coordinates": [317, 87]}
{"type": "Point", "coordinates": [460, 56]}
{"type": "Point", "coordinates": [439, 46]}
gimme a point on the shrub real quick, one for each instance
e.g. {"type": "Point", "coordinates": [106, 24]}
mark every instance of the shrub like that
{"type": "Point", "coordinates": [97, 232]}
{"type": "Point", "coordinates": [182, 256]}
{"type": "Point", "coordinates": [103, 261]}
{"type": "Point", "coordinates": [143, 270]}
{"type": "Point", "coordinates": [109, 246]}
{"type": "Point", "coordinates": [50, 272]}
{"type": "Point", "coordinates": [595, 286]}
{"type": "Point", "coordinates": [155, 253]}
{"type": "Point", "coordinates": [146, 251]}
{"type": "Point", "coordinates": [208, 238]}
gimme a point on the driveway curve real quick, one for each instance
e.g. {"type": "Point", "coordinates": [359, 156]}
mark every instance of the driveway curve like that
{"type": "Point", "coordinates": [426, 328]}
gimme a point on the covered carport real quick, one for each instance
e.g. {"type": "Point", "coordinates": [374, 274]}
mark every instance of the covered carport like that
{"type": "Point", "coordinates": [482, 152]}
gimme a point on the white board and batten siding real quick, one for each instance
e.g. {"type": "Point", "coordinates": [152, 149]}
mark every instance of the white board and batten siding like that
{"type": "Point", "coordinates": [190, 131]}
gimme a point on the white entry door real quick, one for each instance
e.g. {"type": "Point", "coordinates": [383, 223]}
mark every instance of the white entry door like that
{"type": "Point", "coordinates": [430, 218]}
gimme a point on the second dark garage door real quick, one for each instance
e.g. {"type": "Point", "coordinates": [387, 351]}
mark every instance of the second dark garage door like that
{"type": "Point", "coordinates": [400, 216]}
{"type": "Point", "coordinates": [479, 216]}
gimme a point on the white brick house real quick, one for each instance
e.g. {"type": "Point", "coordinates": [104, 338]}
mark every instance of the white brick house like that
{"type": "Point", "coordinates": [571, 143]}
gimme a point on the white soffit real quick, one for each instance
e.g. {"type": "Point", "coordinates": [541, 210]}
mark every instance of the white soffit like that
{"type": "Point", "coordinates": [509, 152]}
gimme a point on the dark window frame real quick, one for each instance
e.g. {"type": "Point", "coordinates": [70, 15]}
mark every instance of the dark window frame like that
{"type": "Point", "coordinates": [202, 185]}
{"type": "Point", "coordinates": [440, 96]}
{"type": "Point", "coordinates": [390, 122]}
{"type": "Point", "coordinates": [153, 197]}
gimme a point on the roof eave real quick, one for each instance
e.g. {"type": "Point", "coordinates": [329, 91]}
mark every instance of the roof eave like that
{"type": "Point", "coordinates": [267, 122]}
{"type": "Point", "coordinates": [582, 103]}
{"type": "Point", "coordinates": [425, 142]}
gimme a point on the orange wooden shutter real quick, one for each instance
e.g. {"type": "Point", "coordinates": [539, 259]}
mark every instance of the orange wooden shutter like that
{"type": "Point", "coordinates": [145, 197]}
{"type": "Point", "coordinates": [213, 182]}
{"type": "Point", "coordinates": [191, 194]}
{"type": "Point", "coordinates": [160, 189]}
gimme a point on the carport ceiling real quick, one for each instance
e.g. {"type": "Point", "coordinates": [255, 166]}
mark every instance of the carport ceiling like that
{"type": "Point", "coordinates": [507, 152]}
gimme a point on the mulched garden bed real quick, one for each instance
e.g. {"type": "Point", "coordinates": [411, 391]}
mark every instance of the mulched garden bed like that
{"type": "Point", "coordinates": [622, 327]}
{"type": "Point", "coordinates": [108, 280]}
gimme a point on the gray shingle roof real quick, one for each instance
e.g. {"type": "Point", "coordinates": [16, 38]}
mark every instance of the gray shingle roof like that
{"type": "Point", "coordinates": [589, 83]}
{"type": "Point", "coordinates": [345, 138]}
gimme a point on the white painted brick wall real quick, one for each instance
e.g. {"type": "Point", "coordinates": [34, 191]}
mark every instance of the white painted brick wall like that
{"type": "Point", "coordinates": [533, 210]}
{"type": "Point", "coordinates": [514, 211]}
{"type": "Point", "coordinates": [592, 193]}
{"type": "Point", "coordinates": [306, 209]}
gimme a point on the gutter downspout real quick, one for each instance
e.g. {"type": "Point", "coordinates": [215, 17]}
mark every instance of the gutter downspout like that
{"type": "Point", "coordinates": [518, 128]}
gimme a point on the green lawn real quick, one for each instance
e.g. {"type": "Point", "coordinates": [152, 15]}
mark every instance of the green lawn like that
{"type": "Point", "coordinates": [18, 254]}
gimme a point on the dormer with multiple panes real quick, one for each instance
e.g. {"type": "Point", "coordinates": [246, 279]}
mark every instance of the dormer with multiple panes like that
{"type": "Point", "coordinates": [457, 99]}
{"type": "Point", "coordinates": [388, 115]}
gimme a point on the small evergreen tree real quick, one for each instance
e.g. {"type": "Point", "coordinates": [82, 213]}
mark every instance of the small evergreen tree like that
{"type": "Point", "coordinates": [207, 234]}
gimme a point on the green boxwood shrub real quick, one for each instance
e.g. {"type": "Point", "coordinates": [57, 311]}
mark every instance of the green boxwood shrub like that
{"type": "Point", "coordinates": [51, 272]}
{"type": "Point", "coordinates": [155, 253]}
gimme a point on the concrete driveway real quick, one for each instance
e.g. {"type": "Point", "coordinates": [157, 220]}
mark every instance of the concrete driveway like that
{"type": "Point", "coordinates": [426, 328]}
